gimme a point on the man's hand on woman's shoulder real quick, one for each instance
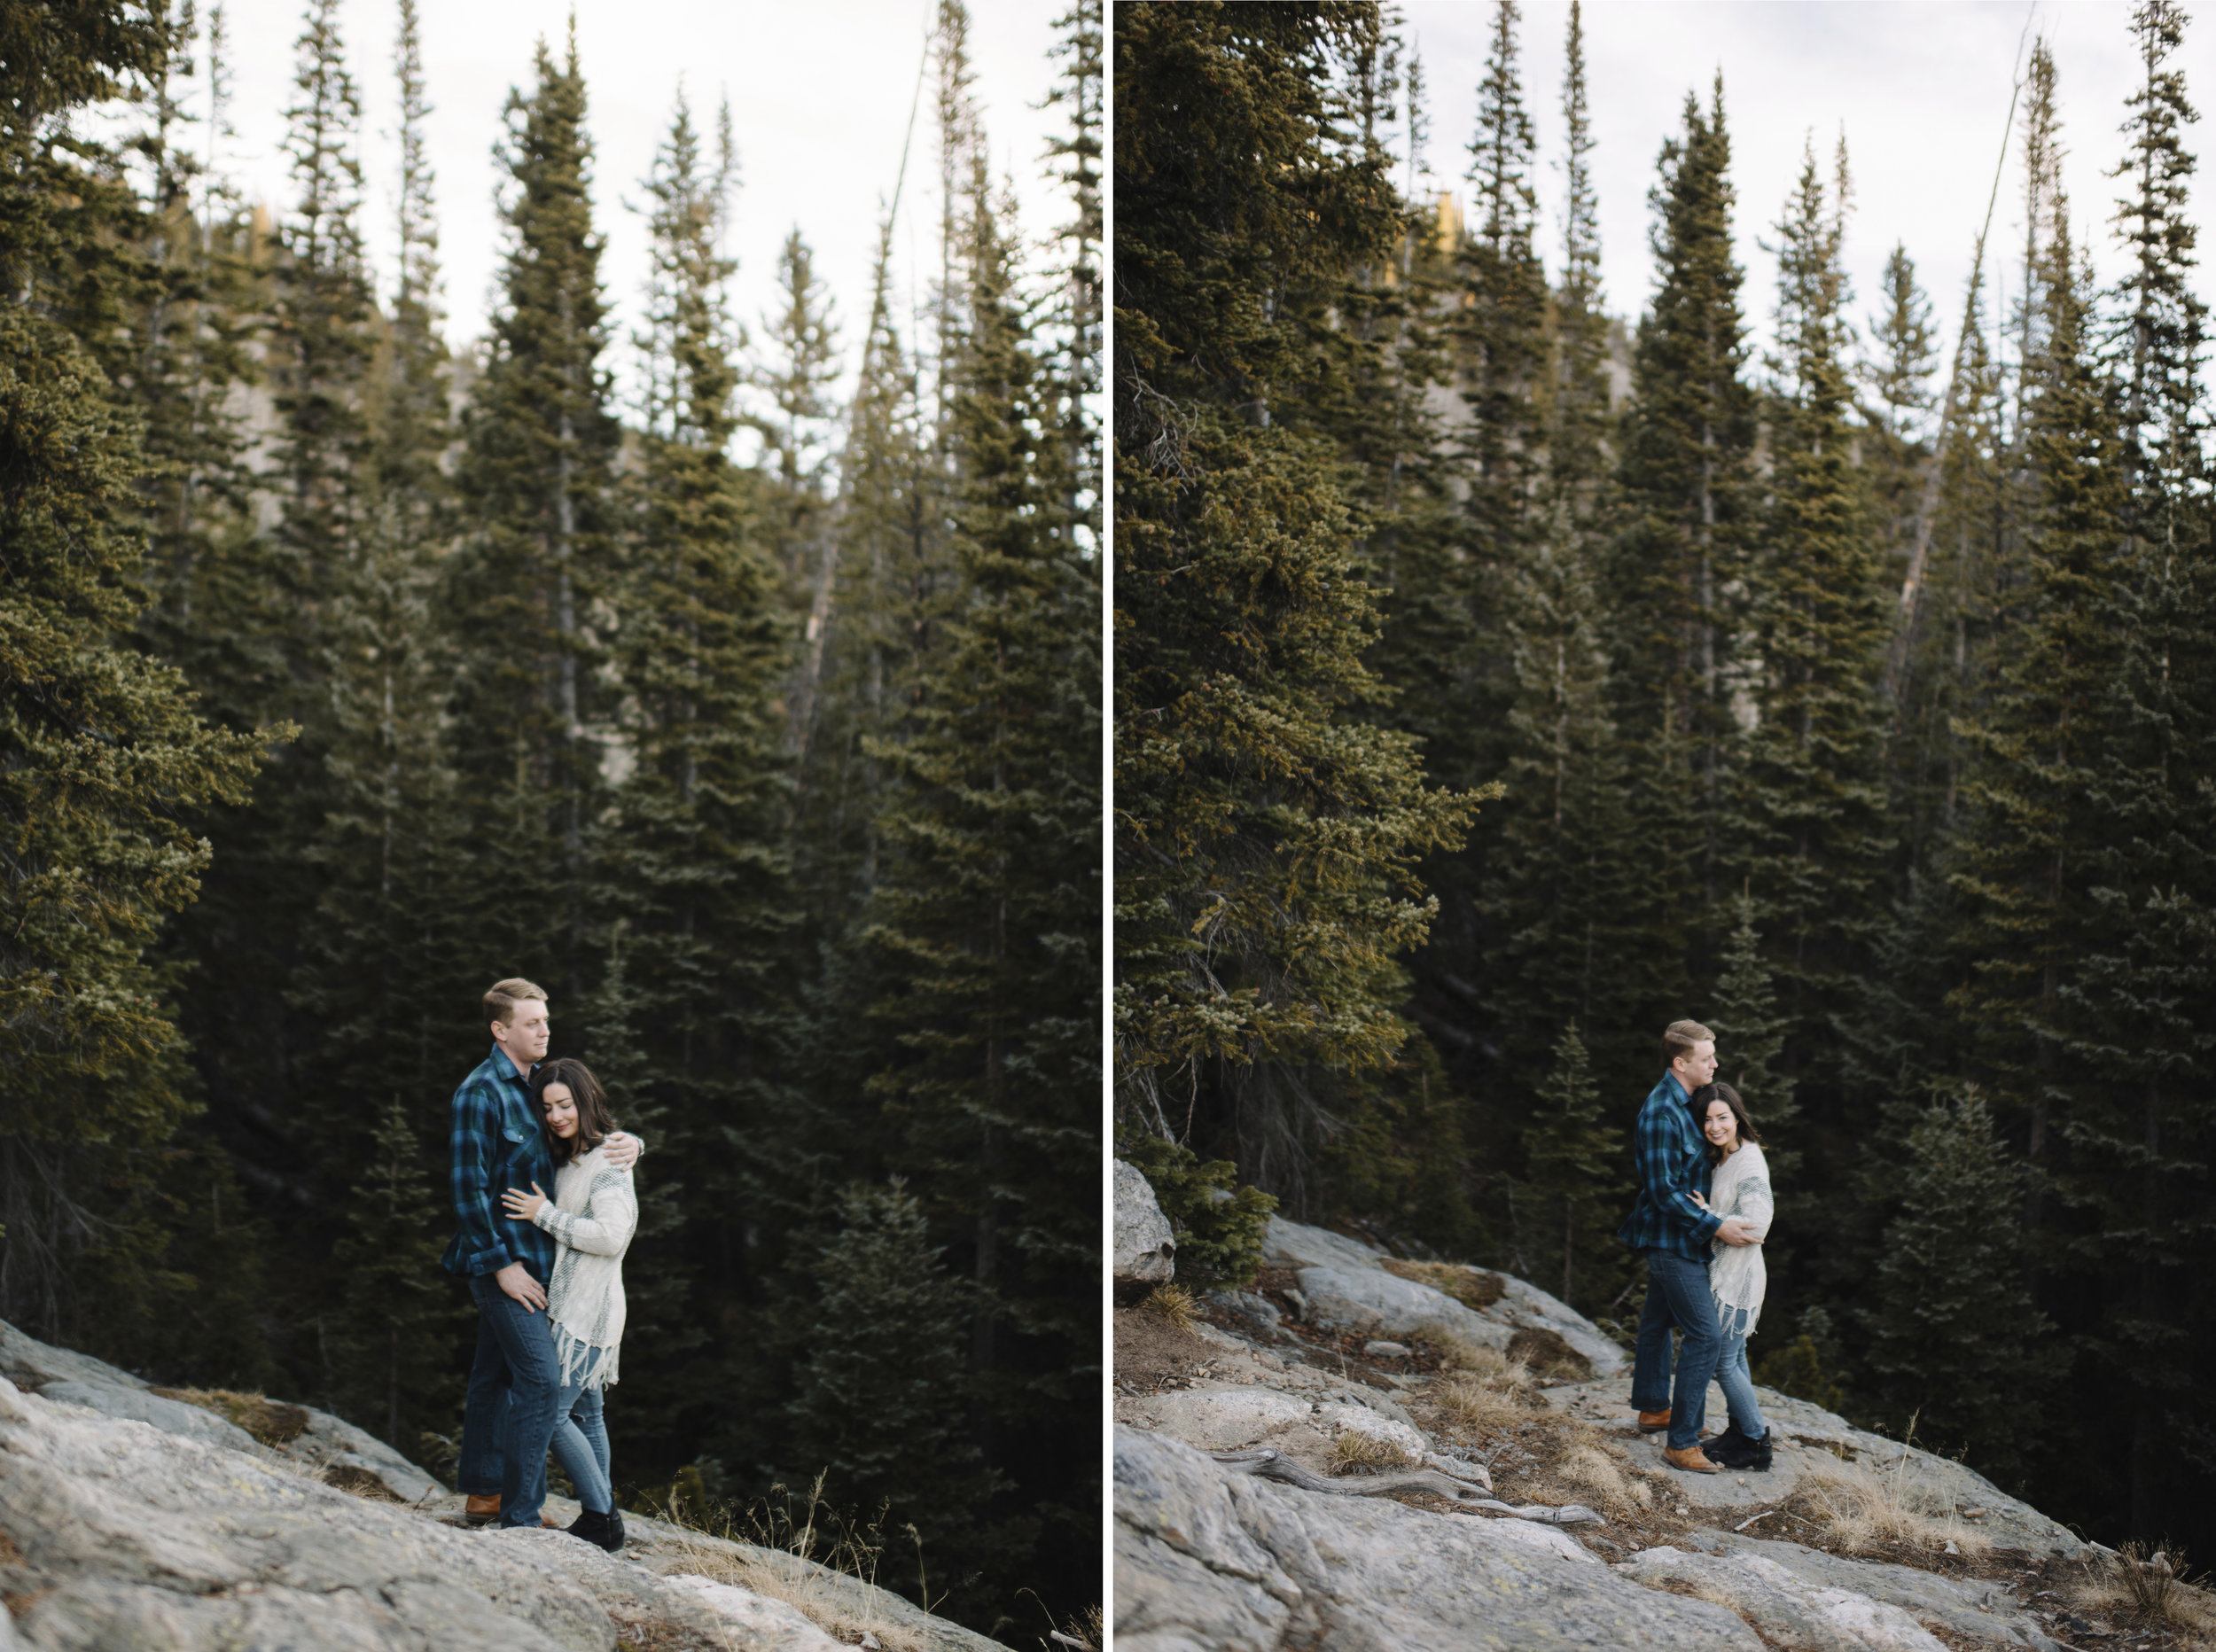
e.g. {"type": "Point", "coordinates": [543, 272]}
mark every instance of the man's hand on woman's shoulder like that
{"type": "Point", "coordinates": [621, 1150]}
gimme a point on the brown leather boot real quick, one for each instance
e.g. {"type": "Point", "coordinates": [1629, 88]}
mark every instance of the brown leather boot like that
{"type": "Point", "coordinates": [1690, 1459]}
{"type": "Point", "coordinates": [1654, 1422]}
{"type": "Point", "coordinates": [481, 1510]}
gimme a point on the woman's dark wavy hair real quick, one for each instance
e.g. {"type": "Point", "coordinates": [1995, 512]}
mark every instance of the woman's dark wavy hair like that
{"type": "Point", "coordinates": [594, 1126]}
{"type": "Point", "coordinates": [1700, 1098]}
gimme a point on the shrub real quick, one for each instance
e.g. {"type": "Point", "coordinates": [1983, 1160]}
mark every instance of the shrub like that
{"type": "Point", "coordinates": [1218, 1223]}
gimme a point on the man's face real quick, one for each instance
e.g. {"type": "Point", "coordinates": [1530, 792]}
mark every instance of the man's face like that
{"type": "Point", "coordinates": [525, 1036]}
{"type": "Point", "coordinates": [1692, 1070]}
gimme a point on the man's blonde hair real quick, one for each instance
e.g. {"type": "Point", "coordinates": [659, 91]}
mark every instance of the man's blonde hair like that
{"type": "Point", "coordinates": [1677, 1039]}
{"type": "Point", "coordinates": [502, 997]}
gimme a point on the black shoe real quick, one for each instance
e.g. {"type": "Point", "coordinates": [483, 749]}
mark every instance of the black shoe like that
{"type": "Point", "coordinates": [605, 1530]}
{"type": "Point", "coordinates": [615, 1520]}
{"type": "Point", "coordinates": [1732, 1449]}
{"type": "Point", "coordinates": [1726, 1447]}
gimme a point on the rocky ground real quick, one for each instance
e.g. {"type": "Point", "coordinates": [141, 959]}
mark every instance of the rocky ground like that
{"type": "Point", "coordinates": [1350, 1365]}
{"type": "Point", "coordinates": [137, 1518]}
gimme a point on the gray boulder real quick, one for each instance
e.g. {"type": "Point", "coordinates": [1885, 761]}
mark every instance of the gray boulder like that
{"type": "Point", "coordinates": [1347, 1286]}
{"type": "Point", "coordinates": [172, 1416]}
{"type": "Point", "coordinates": [30, 1363]}
{"type": "Point", "coordinates": [1985, 1610]}
{"type": "Point", "coordinates": [1145, 1248]}
{"type": "Point", "coordinates": [1204, 1559]}
{"type": "Point", "coordinates": [1370, 1302]}
{"type": "Point", "coordinates": [1785, 1606]}
{"type": "Point", "coordinates": [119, 1537]}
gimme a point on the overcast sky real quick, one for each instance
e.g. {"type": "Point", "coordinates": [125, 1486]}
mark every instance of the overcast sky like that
{"type": "Point", "coordinates": [819, 93]}
{"type": "Point", "coordinates": [1921, 89]}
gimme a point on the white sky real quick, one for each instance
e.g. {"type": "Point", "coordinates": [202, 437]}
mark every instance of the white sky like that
{"type": "Point", "coordinates": [819, 95]}
{"type": "Point", "coordinates": [1921, 89]}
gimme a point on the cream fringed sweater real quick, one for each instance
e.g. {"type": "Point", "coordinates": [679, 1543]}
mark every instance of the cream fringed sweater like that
{"type": "Point", "coordinates": [1741, 1187]}
{"type": "Point", "coordinates": [592, 1216]}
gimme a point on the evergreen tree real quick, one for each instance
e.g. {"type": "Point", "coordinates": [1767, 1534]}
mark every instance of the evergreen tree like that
{"type": "Point", "coordinates": [1897, 377]}
{"type": "Point", "coordinates": [2139, 1141]}
{"type": "Point", "coordinates": [1569, 896]}
{"type": "Point", "coordinates": [1688, 441]}
{"type": "Point", "coordinates": [880, 1405]}
{"type": "Point", "coordinates": [1574, 1185]}
{"type": "Point", "coordinates": [1808, 801]}
{"type": "Point", "coordinates": [1578, 397]}
{"type": "Point", "coordinates": [1953, 1334]}
{"type": "Point", "coordinates": [798, 428]}
{"type": "Point", "coordinates": [1750, 1037]}
{"type": "Point", "coordinates": [1502, 344]}
{"type": "Point", "coordinates": [2032, 791]}
{"type": "Point", "coordinates": [983, 914]}
{"type": "Point", "coordinates": [2162, 323]}
{"type": "Point", "coordinates": [387, 962]}
{"type": "Point", "coordinates": [992, 848]}
{"type": "Point", "coordinates": [107, 753]}
{"type": "Point", "coordinates": [1266, 844]}
{"type": "Point", "coordinates": [534, 479]}
{"type": "Point", "coordinates": [688, 875]}
{"type": "Point", "coordinates": [399, 1373]}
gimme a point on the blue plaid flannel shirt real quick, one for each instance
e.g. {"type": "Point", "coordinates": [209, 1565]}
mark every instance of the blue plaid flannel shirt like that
{"type": "Point", "coordinates": [1673, 1167]}
{"type": "Point", "coordinates": [497, 1143]}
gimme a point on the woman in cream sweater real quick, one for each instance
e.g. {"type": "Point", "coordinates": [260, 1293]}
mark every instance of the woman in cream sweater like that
{"type": "Point", "coordinates": [591, 1216]}
{"type": "Point", "coordinates": [1739, 1186]}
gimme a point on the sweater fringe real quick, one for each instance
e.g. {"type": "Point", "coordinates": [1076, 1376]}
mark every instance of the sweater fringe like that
{"type": "Point", "coordinates": [580, 1364]}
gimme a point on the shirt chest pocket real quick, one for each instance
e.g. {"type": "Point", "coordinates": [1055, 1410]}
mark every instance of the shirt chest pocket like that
{"type": "Point", "coordinates": [516, 1149]}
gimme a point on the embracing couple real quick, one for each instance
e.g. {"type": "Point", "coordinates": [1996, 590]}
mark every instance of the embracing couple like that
{"type": "Point", "coordinates": [545, 1271]}
{"type": "Point", "coordinates": [1703, 1210]}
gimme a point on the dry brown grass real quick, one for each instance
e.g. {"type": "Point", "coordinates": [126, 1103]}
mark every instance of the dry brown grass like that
{"type": "Point", "coordinates": [272, 1421]}
{"type": "Point", "coordinates": [1472, 1287]}
{"type": "Point", "coordinates": [786, 1559]}
{"type": "Point", "coordinates": [1488, 1365]}
{"type": "Point", "coordinates": [1086, 1633]}
{"type": "Point", "coordinates": [1476, 1402]}
{"type": "Point", "coordinates": [2144, 1584]}
{"type": "Point", "coordinates": [1863, 1508]}
{"type": "Point", "coordinates": [1175, 1304]}
{"type": "Point", "coordinates": [1354, 1451]}
{"type": "Point", "coordinates": [1597, 1471]}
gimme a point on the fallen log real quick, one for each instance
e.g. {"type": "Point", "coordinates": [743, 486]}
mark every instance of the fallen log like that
{"type": "Point", "coordinates": [1271, 1465]}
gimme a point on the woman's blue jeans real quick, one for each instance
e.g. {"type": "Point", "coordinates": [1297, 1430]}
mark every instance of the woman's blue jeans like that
{"type": "Point", "coordinates": [581, 1445]}
{"type": "Point", "coordinates": [1733, 1378]}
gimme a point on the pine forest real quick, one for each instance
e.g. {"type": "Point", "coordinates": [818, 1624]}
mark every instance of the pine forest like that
{"type": "Point", "coordinates": [343, 674]}
{"type": "Point", "coordinates": [1505, 668]}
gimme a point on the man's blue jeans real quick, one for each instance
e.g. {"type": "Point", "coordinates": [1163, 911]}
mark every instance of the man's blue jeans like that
{"type": "Point", "coordinates": [581, 1441]}
{"type": "Point", "coordinates": [508, 1421]}
{"type": "Point", "coordinates": [1677, 1296]}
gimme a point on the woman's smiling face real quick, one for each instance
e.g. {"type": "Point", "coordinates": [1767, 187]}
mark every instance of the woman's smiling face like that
{"type": "Point", "coordinates": [1718, 1126]}
{"type": "Point", "coordinates": [560, 1107]}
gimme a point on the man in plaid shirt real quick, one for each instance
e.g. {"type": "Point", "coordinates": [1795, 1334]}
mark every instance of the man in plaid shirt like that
{"type": "Point", "coordinates": [498, 1142]}
{"type": "Point", "coordinates": [1671, 1226]}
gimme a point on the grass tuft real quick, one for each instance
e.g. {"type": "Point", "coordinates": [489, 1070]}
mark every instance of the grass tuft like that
{"type": "Point", "coordinates": [1477, 1402]}
{"type": "Point", "coordinates": [1864, 1509]}
{"type": "Point", "coordinates": [1354, 1451]}
{"type": "Point", "coordinates": [1472, 1287]}
{"type": "Point", "coordinates": [2151, 1587]}
{"type": "Point", "coordinates": [1175, 1304]}
{"type": "Point", "coordinates": [780, 1557]}
{"type": "Point", "coordinates": [272, 1421]}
